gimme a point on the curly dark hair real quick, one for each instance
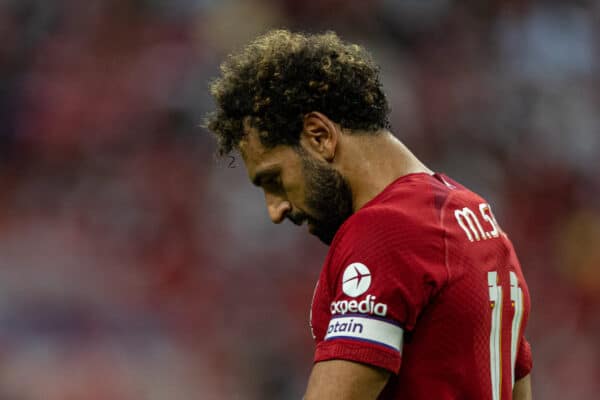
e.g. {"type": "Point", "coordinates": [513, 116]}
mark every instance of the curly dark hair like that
{"type": "Point", "coordinates": [281, 76]}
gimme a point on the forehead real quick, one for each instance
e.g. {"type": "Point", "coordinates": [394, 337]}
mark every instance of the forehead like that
{"type": "Point", "coordinates": [259, 158]}
{"type": "Point", "coordinates": [251, 149]}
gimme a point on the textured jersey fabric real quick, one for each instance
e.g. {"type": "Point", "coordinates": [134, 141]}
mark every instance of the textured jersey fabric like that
{"type": "Point", "coordinates": [422, 281]}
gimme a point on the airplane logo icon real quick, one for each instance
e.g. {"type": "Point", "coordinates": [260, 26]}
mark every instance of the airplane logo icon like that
{"type": "Point", "coordinates": [356, 279]}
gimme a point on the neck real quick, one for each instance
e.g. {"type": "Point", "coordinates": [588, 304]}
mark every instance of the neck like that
{"type": "Point", "coordinates": [374, 162]}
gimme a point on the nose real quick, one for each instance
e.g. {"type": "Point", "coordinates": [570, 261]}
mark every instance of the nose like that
{"type": "Point", "coordinates": [278, 208]}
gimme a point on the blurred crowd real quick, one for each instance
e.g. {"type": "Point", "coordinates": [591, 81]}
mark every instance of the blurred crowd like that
{"type": "Point", "coordinates": [136, 265]}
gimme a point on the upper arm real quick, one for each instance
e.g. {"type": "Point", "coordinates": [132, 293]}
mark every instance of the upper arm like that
{"type": "Point", "coordinates": [522, 389]}
{"type": "Point", "coordinates": [374, 286]}
{"type": "Point", "coordinates": [345, 380]}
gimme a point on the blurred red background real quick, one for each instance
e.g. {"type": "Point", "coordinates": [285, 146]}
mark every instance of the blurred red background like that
{"type": "Point", "coordinates": [134, 265]}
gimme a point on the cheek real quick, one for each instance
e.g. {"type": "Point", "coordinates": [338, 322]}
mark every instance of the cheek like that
{"type": "Point", "coordinates": [296, 192]}
{"type": "Point", "coordinates": [296, 185]}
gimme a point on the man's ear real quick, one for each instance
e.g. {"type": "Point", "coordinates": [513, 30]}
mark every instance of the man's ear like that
{"type": "Point", "coordinates": [320, 134]}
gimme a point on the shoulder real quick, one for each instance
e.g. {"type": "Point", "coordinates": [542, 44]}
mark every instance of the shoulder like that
{"type": "Point", "coordinates": [408, 207]}
{"type": "Point", "coordinates": [393, 249]}
{"type": "Point", "coordinates": [400, 225]}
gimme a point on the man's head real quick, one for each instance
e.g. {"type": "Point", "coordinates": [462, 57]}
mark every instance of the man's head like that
{"type": "Point", "coordinates": [299, 182]}
{"type": "Point", "coordinates": [284, 102]}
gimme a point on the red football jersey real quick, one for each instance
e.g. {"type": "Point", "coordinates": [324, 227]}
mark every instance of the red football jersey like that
{"type": "Point", "coordinates": [422, 281]}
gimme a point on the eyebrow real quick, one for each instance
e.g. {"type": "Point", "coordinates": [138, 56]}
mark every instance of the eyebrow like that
{"type": "Point", "coordinates": [260, 175]}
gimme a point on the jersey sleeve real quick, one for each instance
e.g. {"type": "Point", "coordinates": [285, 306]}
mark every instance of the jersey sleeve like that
{"type": "Point", "coordinates": [385, 268]}
{"type": "Point", "coordinates": [524, 362]}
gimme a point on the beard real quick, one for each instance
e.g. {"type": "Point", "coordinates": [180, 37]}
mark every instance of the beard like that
{"type": "Point", "coordinates": [328, 197]}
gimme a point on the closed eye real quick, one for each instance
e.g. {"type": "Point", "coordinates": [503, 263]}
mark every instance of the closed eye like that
{"type": "Point", "coordinates": [271, 182]}
{"type": "Point", "coordinates": [267, 178]}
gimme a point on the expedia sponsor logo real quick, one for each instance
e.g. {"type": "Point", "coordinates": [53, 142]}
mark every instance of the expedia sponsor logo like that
{"type": "Point", "coordinates": [366, 306]}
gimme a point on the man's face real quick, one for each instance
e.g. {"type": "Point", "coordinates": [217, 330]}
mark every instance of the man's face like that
{"type": "Point", "coordinates": [298, 186]}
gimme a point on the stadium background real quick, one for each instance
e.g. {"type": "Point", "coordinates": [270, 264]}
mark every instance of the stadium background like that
{"type": "Point", "coordinates": [134, 265]}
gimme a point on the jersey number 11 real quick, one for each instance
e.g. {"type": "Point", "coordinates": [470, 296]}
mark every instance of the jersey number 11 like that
{"type": "Point", "coordinates": [516, 299]}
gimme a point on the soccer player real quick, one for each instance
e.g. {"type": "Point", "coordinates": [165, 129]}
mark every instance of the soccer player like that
{"type": "Point", "coordinates": [421, 295]}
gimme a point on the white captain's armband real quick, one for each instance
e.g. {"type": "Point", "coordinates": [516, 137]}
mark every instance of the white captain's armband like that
{"type": "Point", "coordinates": [366, 329]}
